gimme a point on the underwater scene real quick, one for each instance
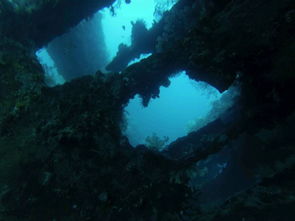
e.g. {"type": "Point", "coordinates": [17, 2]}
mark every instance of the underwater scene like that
{"type": "Point", "coordinates": [147, 110]}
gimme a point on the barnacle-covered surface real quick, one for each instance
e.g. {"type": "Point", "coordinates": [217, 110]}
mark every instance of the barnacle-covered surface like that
{"type": "Point", "coordinates": [62, 154]}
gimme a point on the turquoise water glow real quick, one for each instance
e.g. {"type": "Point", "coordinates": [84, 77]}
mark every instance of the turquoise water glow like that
{"type": "Point", "coordinates": [172, 114]}
{"type": "Point", "coordinates": [117, 26]}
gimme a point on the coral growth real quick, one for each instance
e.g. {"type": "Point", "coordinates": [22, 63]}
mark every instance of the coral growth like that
{"type": "Point", "coordinates": [156, 143]}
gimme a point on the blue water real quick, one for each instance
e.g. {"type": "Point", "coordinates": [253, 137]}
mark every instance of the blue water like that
{"type": "Point", "coordinates": [172, 114]}
{"type": "Point", "coordinates": [52, 77]}
{"type": "Point", "coordinates": [116, 26]}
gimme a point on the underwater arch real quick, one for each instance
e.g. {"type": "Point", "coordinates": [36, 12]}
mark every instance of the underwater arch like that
{"type": "Point", "coordinates": [184, 106]}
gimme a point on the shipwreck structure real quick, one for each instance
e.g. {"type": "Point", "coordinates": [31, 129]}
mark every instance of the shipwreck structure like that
{"type": "Point", "coordinates": [63, 155]}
